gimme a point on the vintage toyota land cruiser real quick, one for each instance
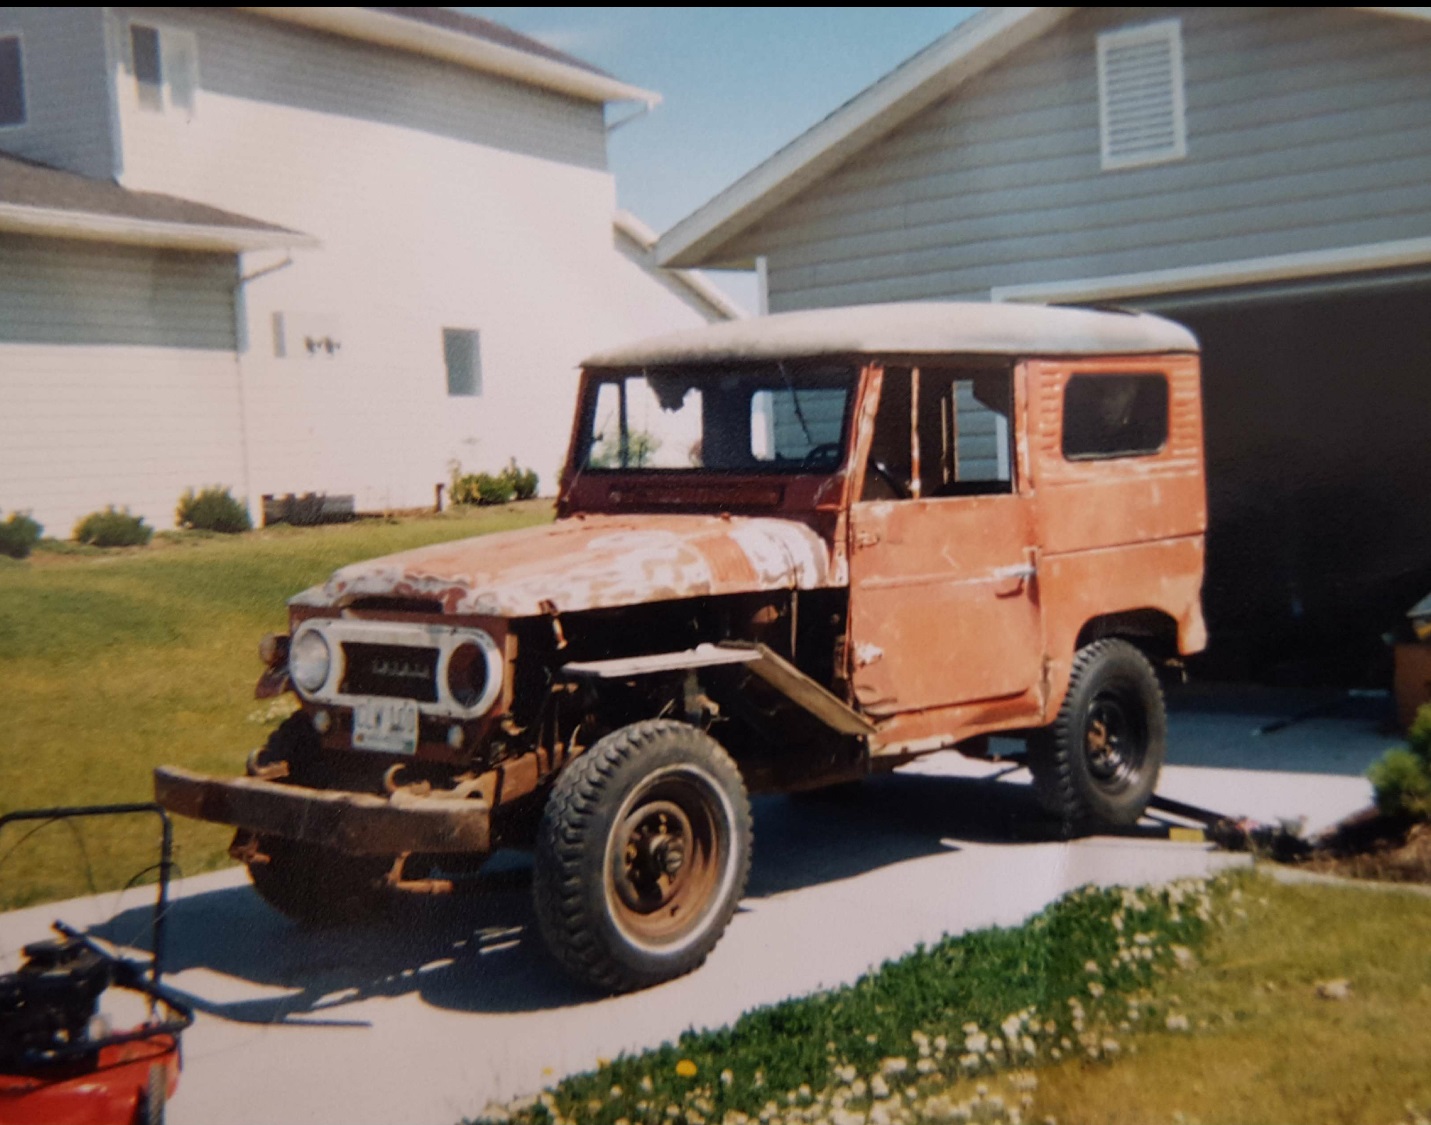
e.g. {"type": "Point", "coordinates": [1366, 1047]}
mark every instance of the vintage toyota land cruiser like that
{"type": "Point", "coordinates": [790, 552]}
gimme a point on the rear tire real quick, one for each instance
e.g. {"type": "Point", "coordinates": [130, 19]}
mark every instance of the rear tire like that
{"type": "Point", "coordinates": [642, 856]}
{"type": "Point", "coordinates": [1098, 763]}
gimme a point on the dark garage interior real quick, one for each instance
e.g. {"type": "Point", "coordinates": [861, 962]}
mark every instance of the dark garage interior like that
{"type": "Point", "coordinates": [1318, 435]}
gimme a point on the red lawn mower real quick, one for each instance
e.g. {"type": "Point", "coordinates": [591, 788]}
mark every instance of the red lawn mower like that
{"type": "Point", "coordinates": [60, 1061]}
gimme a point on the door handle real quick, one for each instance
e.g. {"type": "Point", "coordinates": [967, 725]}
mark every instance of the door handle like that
{"type": "Point", "coordinates": [1011, 580]}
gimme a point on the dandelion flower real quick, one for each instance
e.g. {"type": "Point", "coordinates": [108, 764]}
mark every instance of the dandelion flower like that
{"type": "Point", "coordinates": [686, 1069]}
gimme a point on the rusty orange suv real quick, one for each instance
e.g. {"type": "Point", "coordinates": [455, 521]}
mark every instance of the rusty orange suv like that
{"type": "Point", "coordinates": [790, 552]}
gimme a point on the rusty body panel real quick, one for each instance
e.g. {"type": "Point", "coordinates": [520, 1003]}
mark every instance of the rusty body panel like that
{"type": "Point", "coordinates": [592, 562]}
{"type": "Point", "coordinates": [353, 823]}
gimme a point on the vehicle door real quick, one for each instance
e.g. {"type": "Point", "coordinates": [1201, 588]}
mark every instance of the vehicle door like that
{"type": "Point", "coordinates": [943, 568]}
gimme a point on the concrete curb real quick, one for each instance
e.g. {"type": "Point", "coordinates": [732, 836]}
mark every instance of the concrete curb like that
{"type": "Point", "coordinates": [1292, 877]}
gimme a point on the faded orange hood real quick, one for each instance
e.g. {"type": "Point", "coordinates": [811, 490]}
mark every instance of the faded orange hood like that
{"type": "Point", "coordinates": [592, 562]}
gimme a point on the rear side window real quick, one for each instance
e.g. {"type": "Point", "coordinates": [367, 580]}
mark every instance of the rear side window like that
{"type": "Point", "coordinates": [1106, 416]}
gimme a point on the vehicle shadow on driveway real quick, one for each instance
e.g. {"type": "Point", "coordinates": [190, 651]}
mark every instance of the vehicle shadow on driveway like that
{"type": "Point", "coordinates": [479, 949]}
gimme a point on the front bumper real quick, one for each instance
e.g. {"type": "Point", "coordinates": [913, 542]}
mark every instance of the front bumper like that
{"type": "Point", "coordinates": [352, 823]}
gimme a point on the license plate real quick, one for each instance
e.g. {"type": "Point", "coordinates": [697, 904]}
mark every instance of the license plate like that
{"type": "Point", "coordinates": [386, 724]}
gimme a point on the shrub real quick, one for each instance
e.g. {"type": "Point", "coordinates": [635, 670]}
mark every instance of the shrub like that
{"type": "Point", "coordinates": [493, 488]}
{"type": "Point", "coordinates": [524, 481]}
{"type": "Point", "coordinates": [213, 509]}
{"type": "Point", "coordinates": [18, 535]}
{"type": "Point", "coordinates": [1402, 778]}
{"type": "Point", "coordinates": [110, 528]}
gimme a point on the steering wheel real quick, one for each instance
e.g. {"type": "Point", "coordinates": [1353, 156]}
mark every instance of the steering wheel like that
{"type": "Point", "coordinates": [897, 486]}
{"type": "Point", "coordinates": [822, 458]}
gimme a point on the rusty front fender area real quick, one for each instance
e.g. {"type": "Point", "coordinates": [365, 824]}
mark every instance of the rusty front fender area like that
{"type": "Point", "coordinates": [352, 823]}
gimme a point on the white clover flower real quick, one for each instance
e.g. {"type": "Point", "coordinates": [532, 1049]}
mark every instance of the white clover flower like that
{"type": "Point", "coordinates": [894, 1065]}
{"type": "Point", "coordinates": [1027, 1043]}
{"type": "Point", "coordinates": [1095, 989]}
{"type": "Point", "coordinates": [941, 1044]}
{"type": "Point", "coordinates": [1091, 968]}
{"type": "Point", "coordinates": [996, 1044]}
{"type": "Point", "coordinates": [615, 1092]}
{"type": "Point", "coordinates": [727, 1077]}
{"type": "Point", "coordinates": [1118, 922]}
{"type": "Point", "coordinates": [879, 1088]}
{"type": "Point", "coordinates": [859, 1088]}
{"type": "Point", "coordinates": [804, 1092]}
{"type": "Point", "coordinates": [969, 1062]}
{"type": "Point", "coordinates": [925, 1066]}
{"type": "Point", "coordinates": [976, 1042]}
{"type": "Point", "coordinates": [1142, 939]}
{"type": "Point", "coordinates": [1177, 1023]}
{"type": "Point", "coordinates": [1110, 1046]}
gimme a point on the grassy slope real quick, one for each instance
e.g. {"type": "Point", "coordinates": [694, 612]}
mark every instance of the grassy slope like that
{"type": "Point", "coordinates": [1237, 1034]}
{"type": "Point", "coordinates": [114, 662]}
{"type": "Point", "coordinates": [1272, 1049]}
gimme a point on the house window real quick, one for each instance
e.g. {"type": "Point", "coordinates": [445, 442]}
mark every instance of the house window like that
{"type": "Point", "coordinates": [462, 349]}
{"type": "Point", "coordinates": [166, 67]}
{"type": "Point", "coordinates": [1140, 95]}
{"type": "Point", "coordinates": [12, 82]}
{"type": "Point", "coordinates": [1107, 416]}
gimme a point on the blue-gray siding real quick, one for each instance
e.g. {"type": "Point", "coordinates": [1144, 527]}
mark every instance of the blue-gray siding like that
{"type": "Point", "coordinates": [67, 101]}
{"type": "Point", "coordinates": [1308, 129]}
{"type": "Point", "coordinates": [55, 291]}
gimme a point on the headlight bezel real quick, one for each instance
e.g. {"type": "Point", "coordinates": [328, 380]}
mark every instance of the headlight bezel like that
{"type": "Point", "coordinates": [305, 646]}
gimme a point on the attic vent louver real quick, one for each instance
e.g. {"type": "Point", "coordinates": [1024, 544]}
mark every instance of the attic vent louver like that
{"type": "Point", "coordinates": [1140, 95]}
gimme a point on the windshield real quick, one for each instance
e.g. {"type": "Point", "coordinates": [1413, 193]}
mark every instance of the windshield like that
{"type": "Point", "coordinates": [780, 418]}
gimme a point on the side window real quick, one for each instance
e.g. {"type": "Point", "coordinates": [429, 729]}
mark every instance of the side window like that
{"type": "Point", "coordinates": [963, 445]}
{"type": "Point", "coordinates": [461, 348]}
{"type": "Point", "coordinates": [166, 67]}
{"type": "Point", "coordinates": [1107, 416]}
{"type": "Point", "coordinates": [12, 82]}
{"type": "Point", "coordinates": [964, 436]}
{"type": "Point", "coordinates": [889, 470]}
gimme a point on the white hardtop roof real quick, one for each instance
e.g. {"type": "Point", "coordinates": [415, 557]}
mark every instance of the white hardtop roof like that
{"type": "Point", "coordinates": [914, 328]}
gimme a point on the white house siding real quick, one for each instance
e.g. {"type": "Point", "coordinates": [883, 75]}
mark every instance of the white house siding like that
{"type": "Point", "coordinates": [66, 89]}
{"type": "Point", "coordinates": [118, 379]}
{"type": "Point", "coordinates": [443, 198]}
{"type": "Point", "coordinates": [1307, 129]}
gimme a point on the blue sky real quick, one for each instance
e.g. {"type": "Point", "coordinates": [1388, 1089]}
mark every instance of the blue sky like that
{"type": "Point", "coordinates": [736, 84]}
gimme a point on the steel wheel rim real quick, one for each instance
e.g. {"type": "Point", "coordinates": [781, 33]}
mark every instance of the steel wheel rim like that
{"type": "Point", "coordinates": [669, 858]}
{"type": "Point", "coordinates": [1115, 739]}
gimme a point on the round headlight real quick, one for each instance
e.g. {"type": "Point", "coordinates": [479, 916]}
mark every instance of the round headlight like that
{"type": "Point", "coordinates": [474, 674]}
{"type": "Point", "coordinates": [309, 659]}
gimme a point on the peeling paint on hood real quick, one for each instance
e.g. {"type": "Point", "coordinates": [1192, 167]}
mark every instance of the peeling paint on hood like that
{"type": "Point", "coordinates": [592, 562]}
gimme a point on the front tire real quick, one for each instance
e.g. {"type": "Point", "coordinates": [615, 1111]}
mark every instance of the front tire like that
{"type": "Point", "coordinates": [642, 856]}
{"type": "Point", "coordinates": [1098, 763]}
{"type": "Point", "coordinates": [316, 886]}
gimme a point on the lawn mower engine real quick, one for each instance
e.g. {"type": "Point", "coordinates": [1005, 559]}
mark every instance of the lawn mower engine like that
{"type": "Point", "coordinates": [61, 1063]}
{"type": "Point", "coordinates": [51, 1000]}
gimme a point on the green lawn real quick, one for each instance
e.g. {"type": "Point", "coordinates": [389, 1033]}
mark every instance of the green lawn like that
{"type": "Point", "coordinates": [112, 662]}
{"type": "Point", "coordinates": [1241, 1001]}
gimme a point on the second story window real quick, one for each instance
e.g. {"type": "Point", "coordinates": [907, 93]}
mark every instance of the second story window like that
{"type": "Point", "coordinates": [166, 67]}
{"type": "Point", "coordinates": [461, 349]}
{"type": "Point", "coordinates": [12, 82]}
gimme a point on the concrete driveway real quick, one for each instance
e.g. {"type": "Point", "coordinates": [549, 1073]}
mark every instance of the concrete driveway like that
{"type": "Point", "coordinates": [428, 1020]}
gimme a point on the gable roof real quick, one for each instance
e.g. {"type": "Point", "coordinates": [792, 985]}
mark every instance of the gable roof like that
{"type": "Point", "coordinates": [968, 50]}
{"type": "Point", "coordinates": [37, 199]}
{"type": "Point", "coordinates": [693, 285]}
{"type": "Point", "coordinates": [442, 33]}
